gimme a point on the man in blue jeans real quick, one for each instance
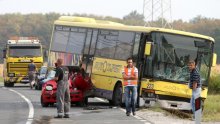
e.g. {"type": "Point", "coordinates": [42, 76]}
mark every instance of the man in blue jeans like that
{"type": "Point", "coordinates": [130, 76]}
{"type": "Point", "coordinates": [195, 84]}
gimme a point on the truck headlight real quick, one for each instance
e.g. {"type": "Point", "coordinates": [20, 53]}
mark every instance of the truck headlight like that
{"type": "Point", "coordinates": [11, 74]}
{"type": "Point", "coordinates": [49, 87]}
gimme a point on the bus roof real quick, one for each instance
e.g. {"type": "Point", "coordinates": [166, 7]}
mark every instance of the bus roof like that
{"type": "Point", "coordinates": [103, 24]}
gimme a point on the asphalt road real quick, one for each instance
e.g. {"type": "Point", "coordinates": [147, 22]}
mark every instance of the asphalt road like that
{"type": "Point", "coordinates": [16, 108]}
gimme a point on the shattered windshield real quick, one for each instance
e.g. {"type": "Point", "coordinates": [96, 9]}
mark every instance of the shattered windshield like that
{"type": "Point", "coordinates": [171, 54]}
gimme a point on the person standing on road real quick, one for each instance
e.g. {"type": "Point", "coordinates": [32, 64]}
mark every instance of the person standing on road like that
{"type": "Point", "coordinates": [130, 76]}
{"type": "Point", "coordinates": [195, 84]}
{"type": "Point", "coordinates": [63, 93]}
{"type": "Point", "coordinates": [31, 73]}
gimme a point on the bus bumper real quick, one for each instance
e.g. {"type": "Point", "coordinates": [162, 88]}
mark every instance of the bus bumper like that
{"type": "Point", "coordinates": [177, 105]}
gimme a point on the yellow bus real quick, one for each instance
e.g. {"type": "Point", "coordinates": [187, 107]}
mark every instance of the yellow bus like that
{"type": "Point", "coordinates": [161, 56]}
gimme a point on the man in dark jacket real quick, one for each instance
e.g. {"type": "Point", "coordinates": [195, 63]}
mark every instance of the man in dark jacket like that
{"type": "Point", "coordinates": [195, 84]}
{"type": "Point", "coordinates": [31, 73]}
{"type": "Point", "coordinates": [63, 93]}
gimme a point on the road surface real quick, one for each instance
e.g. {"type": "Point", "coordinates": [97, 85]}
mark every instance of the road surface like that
{"type": "Point", "coordinates": [21, 105]}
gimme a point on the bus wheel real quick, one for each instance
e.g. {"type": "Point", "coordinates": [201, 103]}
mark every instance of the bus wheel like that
{"type": "Point", "coordinates": [117, 96]}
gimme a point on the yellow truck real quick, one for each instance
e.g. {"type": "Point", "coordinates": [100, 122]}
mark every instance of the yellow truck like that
{"type": "Point", "coordinates": [17, 55]}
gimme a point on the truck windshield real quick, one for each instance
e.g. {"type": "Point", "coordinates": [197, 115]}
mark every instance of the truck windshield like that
{"type": "Point", "coordinates": [24, 51]}
{"type": "Point", "coordinates": [171, 54]}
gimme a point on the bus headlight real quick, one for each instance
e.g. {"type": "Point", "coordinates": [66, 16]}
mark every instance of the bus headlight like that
{"type": "Point", "coordinates": [49, 87]}
{"type": "Point", "coordinates": [11, 74]}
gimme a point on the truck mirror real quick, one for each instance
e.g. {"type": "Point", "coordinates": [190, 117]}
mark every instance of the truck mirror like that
{"type": "Point", "coordinates": [214, 59]}
{"type": "Point", "coordinates": [147, 51]}
{"type": "Point", "coordinates": [4, 53]}
{"type": "Point", "coordinates": [46, 53]}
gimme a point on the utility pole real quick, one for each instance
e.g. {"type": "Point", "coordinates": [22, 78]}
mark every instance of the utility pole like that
{"type": "Point", "coordinates": [157, 11]}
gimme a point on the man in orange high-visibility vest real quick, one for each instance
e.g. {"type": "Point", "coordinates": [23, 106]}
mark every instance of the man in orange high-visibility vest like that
{"type": "Point", "coordinates": [130, 76]}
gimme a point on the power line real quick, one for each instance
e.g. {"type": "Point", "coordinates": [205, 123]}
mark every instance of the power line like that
{"type": "Point", "coordinates": [157, 10]}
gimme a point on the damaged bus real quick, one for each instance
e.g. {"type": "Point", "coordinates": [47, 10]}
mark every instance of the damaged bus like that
{"type": "Point", "coordinates": [161, 55]}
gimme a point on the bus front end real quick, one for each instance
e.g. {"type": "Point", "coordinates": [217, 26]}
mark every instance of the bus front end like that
{"type": "Point", "coordinates": [18, 53]}
{"type": "Point", "coordinates": [166, 76]}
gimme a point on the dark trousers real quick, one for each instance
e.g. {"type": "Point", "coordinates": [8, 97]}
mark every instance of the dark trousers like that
{"type": "Point", "coordinates": [63, 98]}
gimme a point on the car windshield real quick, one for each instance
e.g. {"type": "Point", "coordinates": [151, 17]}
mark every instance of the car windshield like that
{"type": "Point", "coordinates": [43, 70]}
{"type": "Point", "coordinates": [51, 74]}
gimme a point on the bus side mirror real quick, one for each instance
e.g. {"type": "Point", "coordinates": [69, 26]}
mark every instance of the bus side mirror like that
{"type": "Point", "coordinates": [148, 46]}
{"type": "Point", "coordinates": [214, 59]}
{"type": "Point", "coordinates": [4, 53]}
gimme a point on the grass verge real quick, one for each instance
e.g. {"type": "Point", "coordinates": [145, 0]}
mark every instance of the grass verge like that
{"type": "Point", "coordinates": [212, 108]}
{"type": "Point", "coordinates": [211, 112]}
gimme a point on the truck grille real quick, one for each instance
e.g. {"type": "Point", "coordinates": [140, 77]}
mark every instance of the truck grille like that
{"type": "Point", "coordinates": [20, 67]}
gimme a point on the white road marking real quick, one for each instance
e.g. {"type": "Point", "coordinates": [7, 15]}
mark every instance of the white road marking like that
{"type": "Point", "coordinates": [143, 120]}
{"type": "Point", "coordinates": [147, 123]}
{"type": "Point", "coordinates": [30, 105]}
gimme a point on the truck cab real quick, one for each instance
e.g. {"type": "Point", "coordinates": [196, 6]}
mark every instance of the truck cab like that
{"type": "Point", "coordinates": [17, 55]}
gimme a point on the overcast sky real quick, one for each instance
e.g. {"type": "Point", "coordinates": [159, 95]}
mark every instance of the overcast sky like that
{"type": "Point", "coordinates": [181, 9]}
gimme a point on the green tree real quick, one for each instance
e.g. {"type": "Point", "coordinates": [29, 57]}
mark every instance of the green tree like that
{"type": "Point", "coordinates": [134, 18]}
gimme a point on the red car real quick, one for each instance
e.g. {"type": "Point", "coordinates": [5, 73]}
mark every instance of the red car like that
{"type": "Point", "coordinates": [48, 94]}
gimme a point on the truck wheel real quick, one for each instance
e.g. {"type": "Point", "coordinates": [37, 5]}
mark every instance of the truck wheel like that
{"type": "Point", "coordinates": [5, 84]}
{"type": "Point", "coordinates": [8, 84]}
{"type": "Point", "coordinates": [117, 96]}
{"type": "Point", "coordinates": [11, 84]}
{"type": "Point", "coordinates": [43, 104]}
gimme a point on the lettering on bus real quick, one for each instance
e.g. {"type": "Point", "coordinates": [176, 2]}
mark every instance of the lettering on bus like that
{"type": "Point", "coordinates": [107, 67]}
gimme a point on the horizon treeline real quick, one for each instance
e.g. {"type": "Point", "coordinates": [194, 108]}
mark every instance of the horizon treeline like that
{"type": "Point", "coordinates": [40, 25]}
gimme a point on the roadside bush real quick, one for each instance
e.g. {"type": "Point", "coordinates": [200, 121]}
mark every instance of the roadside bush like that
{"type": "Point", "coordinates": [214, 82]}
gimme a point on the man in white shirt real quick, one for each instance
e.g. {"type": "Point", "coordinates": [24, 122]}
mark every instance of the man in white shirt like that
{"type": "Point", "coordinates": [130, 76]}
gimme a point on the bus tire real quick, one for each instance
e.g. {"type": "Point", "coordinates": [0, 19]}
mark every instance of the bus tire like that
{"type": "Point", "coordinates": [117, 96]}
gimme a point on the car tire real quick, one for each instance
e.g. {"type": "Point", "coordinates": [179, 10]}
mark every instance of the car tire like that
{"type": "Point", "coordinates": [43, 104]}
{"type": "Point", "coordinates": [36, 87]}
{"type": "Point", "coordinates": [51, 104]}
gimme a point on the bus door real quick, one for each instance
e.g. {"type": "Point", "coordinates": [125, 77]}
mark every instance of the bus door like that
{"type": "Point", "coordinates": [89, 50]}
{"type": "Point", "coordinates": [140, 60]}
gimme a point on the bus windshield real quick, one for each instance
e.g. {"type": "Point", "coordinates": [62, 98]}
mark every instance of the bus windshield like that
{"type": "Point", "coordinates": [24, 51]}
{"type": "Point", "coordinates": [171, 54]}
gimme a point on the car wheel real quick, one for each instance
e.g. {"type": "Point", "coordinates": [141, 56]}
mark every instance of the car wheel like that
{"type": "Point", "coordinates": [36, 87]}
{"type": "Point", "coordinates": [43, 104]}
{"type": "Point", "coordinates": [51, 104]}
